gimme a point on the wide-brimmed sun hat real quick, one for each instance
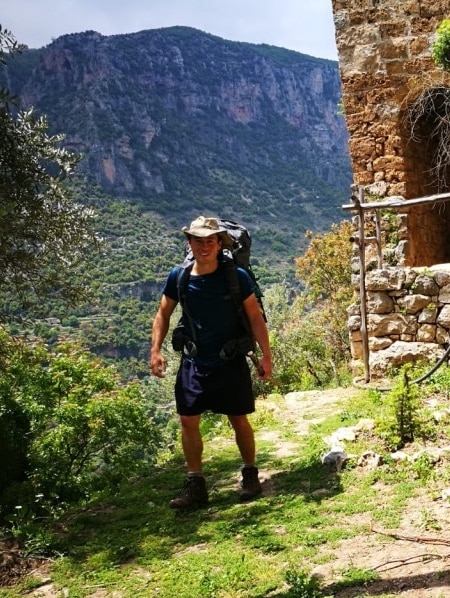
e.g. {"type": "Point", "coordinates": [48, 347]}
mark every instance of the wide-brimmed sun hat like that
{"type": "Point", "coordinates": [205, 227]}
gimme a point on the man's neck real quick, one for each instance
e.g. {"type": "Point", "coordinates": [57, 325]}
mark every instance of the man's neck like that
{"type": "Point", "coordinates": [200, 269]}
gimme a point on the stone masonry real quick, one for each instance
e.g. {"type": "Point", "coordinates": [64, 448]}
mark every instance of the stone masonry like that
{"type": "Point", "coordinates": [385, 62]}
{"type": "Point", "coordinates": [408, 317]}
{"type": "Point", "coordinates": [384, 59]}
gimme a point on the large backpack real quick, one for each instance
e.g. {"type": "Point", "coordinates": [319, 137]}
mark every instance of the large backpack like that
{"type": "Point", "coordinates": [235, 255]}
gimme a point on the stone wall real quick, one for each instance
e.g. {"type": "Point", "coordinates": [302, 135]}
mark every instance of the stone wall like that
{"type": "Point", "coordinates": [385, 63]}
{"type": "Point", "coordinates": [384, 49]}
{"type": "Point", "coordinates": [408, 317]}
{"type": "Point", "coordinates": [384, 59]}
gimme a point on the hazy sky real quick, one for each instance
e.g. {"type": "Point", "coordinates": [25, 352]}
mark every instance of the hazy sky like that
{"type": "Point", "coordinates": [302, 25]}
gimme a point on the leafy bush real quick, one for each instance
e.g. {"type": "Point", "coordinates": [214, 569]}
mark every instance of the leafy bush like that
{"type": "Point", "coordinates": [325, 269]}
{"type": "Point", "coordinates": [302, 586]}
{"type": "Point", "coordinates": [303, 357]}
{"type": "Point", "coordinates": [309, 333]}
{"type": "Point", "coordinates": [14, 430]}
{"type": "Point", "coordinates": [86, 430]}
{"type": "Point", "coordinates": [440, 51]}
{"type": "Point", "coordinates": [399, 419]}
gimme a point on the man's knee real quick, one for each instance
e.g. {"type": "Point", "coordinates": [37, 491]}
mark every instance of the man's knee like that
{"type": "Point", "coordinates": [239, 422]}
{"type": "Point", "coordinates": [190, 422]}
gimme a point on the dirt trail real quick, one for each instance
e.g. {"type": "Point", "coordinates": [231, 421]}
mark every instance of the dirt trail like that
{"type": "Point", "coordinates": [411, 561]}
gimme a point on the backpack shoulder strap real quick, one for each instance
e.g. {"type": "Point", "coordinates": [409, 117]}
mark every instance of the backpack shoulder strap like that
{"type": "Point", "coordinates": [235, 291]}
{"type": "Point", "coordinates": [182, 281]}
{"type": "Point", "coordinates": [232, 279]}
{"type": "Point", "coordinates": [182, 284]}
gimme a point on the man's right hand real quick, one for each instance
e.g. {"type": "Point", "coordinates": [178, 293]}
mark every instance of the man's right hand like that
{"type": "Point", "coordinates": [157, 364]}
{"type": "Point", "coordinates": [159, 332]}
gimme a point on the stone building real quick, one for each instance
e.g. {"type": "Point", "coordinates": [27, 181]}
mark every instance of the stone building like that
{"type": "Point", "coordinates": [396, 102]}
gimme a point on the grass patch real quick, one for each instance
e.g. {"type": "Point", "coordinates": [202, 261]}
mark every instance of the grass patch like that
{"type": "Point", "coordinates": [133, 544]}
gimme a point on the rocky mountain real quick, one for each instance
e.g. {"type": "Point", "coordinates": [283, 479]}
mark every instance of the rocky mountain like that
{"type": "Point", "coordinates": [187, 123]}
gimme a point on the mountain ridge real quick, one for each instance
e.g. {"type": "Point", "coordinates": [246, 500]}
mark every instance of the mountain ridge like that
{"type": "Point", "coordinates": [188, 122]}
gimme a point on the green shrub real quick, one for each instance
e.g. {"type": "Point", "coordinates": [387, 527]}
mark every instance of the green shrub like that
{"type": "Point", "coordinates": [14, 441]}
{"type": "Point", "coordinates": [302, 586]}
{"type": "Point", "coordinates": [399, 418]}
{"type": "Point", "coordinates": [304, 355]}
{"type": "Point", "coordinates": [440, 51]}
{"type": "Point", "coordinates": [86, 431]}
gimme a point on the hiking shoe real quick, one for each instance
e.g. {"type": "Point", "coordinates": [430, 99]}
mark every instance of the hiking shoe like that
{"type": "Point", "coordinates": [193, 495]}
{"type": "Point", "coordinates": [251, 486]}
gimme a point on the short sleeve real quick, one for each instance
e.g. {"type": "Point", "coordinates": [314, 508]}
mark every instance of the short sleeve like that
{"type": "Point", "coordinates": [246, 284]}
{"type": "Point", "coordinates": [170, 288]}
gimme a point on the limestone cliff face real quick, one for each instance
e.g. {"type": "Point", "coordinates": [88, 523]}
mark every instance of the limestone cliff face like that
{"type": "Point", "coordinates": [171, 112]}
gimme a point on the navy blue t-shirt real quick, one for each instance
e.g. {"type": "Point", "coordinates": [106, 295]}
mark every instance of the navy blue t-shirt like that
{"type": "Point", "coordinates": [210, 305]}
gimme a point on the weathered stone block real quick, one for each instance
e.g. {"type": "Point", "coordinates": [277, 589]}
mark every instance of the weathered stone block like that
{"type": "Point", "coordinates": [379, 302]}
{"type": "Point", "coordinates": [365, 147]}
{"type": "Point", "coordinates": [355, 265]}
{"type": "Point", "coordinates": [354, 323]}
{"type": "Point", "coordinates": [396, 68]}
{"type": "Point", "coordinates": [388, 279]}
{"type": "Point", "coordinates": [425, 285]}
{"type": "Point", "coordinates": [428, 315]}
{"type": "Point", "coordinates": [435, 8]}
{"type": "Point", "coordinates": [355, 336]}
{"type": "Point", "coordinates": [402, 352]}
{"type": "Point", "coordinates": [354, 309]}
{"type": "Point", "coordinates": [393, 29]}
{"type": "Point", "coordinates": [353, 117]}
{"type": "Point", "coordinates": [389, 162]}
{"type": "Point", "coordinates": [378, 344]}
{"type": "Point", "coordinates": [402, 251]}
{"type": "Point", "coordinates": [411, 304]}
{"type": "Point", "coordinates": [394, 49]}
{"type": "Point", "coordinates": [393, 176]}
{"type": "Point", "coordinates": [385, 325]}
{"type": "Point", "coordinates": [442, 335]}
{"type": "Point", "coordinates": [398, 189]}
{"type": "Point", "coordinates": [355, 281]}
{"type": "Point", "coordinates": [441, 273]}
{"type": "Point", "coordinates": [426, 333]}
{"type": "Point", "coordinates": [356, 350]}
{"type": "Point", "coordinates": [443, 318]}
{"type": "Point", "coordinates": [408, 338]}
{"type": "Point", "coordinates": [363, 178]}
{"type": "Point", "coordinates": [419, 45]}
{"type": "Point", "coordinates": [444, 294]}
{"type": "Point", "coordinates": [394, 145]}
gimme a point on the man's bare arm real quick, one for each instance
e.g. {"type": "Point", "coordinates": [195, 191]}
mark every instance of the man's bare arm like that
{"type": "Point", "coordinates": [259, 330]}
{"type": "Point", "coordinates": [159, 332]}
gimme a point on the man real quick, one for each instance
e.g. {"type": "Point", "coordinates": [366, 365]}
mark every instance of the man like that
{"type": "Point", "coordinates": [207, 379]}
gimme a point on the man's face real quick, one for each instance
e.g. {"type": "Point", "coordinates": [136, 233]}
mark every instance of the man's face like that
{"type": "Point", "coordinates": [205, 249]}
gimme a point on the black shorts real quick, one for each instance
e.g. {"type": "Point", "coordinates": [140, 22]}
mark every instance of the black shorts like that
{"type": "Point", "coordinates": [225, 389]}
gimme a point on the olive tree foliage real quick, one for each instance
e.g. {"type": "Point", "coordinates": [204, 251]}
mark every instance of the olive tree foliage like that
{"type": "Point", "coordinates": [440, 50]}
{"type": "Point", "coordinates": [8, 44]}
{"type": "Point", "coordinates": [309, 335]}
{"type": "Point", "coordinates": [45, 237]}
{"type": "Point", "coordinates": [326, 270]}
{"type": "Point", "coordinates": [68, 426]}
